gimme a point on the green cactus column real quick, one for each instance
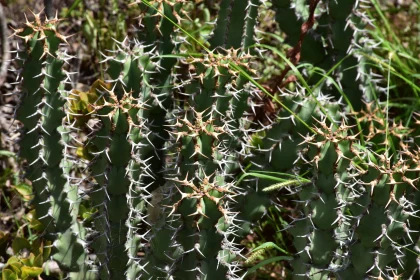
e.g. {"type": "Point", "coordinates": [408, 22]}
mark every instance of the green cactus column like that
{"type": "Point", "coordinates": [109, 173]}
{"type": "Point", "coordinates": [41, 113]}
{"type": "Point", "coordinates": [130, 70]}
{"type": "Point", "coordinates": [233, 109]}
{"type": "Point", "coordinates": [357, 207]}
{"type": "Point", "coordinates": [157, 37]}
{"type": "Point", "coordinates": [201, 197]}
{"type": "Point", "coordinates": [207, 133]}
{"type": "Point", "coordinates": [370, 192]}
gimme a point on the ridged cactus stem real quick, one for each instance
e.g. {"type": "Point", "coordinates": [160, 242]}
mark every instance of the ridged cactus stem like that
{"type": "Point", "coordinates": [250, 24]}
{"type": "Point", "coordinates": [41, 113]}
{"type": "Point", "coordinates": [109, 170]}
{"type": "Point", "coordinates": [151, 235]}
{"type": "Point", "coordinates": [130, 70]}
{"type": "Point", "coordinates": [370, 194]}
{"type": "Point", "coordinates": [201, 200]}
{"type": "Point", "coordinates": [333, 28]}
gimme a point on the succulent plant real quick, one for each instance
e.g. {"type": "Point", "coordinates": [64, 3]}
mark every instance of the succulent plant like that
{"type": "Point", "coordinates": [356, 215]}
{"type": "Point", "coordinates": [152, 194]}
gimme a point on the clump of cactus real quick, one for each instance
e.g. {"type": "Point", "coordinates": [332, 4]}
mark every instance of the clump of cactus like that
{"type": "Point", "coordinates": [372, 230]}
{"type": "Point", "coordinates": [137, 177]}
{"type": "Point", "coordinates": [353, 224]}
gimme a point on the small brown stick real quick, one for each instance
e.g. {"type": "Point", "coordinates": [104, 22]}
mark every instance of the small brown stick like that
{"type": "Point", "coordinates": [294, 54]}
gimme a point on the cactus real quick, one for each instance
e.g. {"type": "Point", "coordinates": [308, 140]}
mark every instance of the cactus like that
{"type": "Point", "coordinates": [333, 243]}
{"type": "Point", "coordinates": [370, 191]}
{"type": "Point", "coordinates": [199, 197]}
{"type": "Point", "coordinates": [371, 194]}
{"type": "Point", "coordinates": [168, 132]}
{"type": "Point", "coordinates": [41, 113]}
{"type": "Point", "coordinates": [351, 172]}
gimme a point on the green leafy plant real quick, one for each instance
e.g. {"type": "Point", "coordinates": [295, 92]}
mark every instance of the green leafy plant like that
{"type": "Point", "coordinates": [27, 260]}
